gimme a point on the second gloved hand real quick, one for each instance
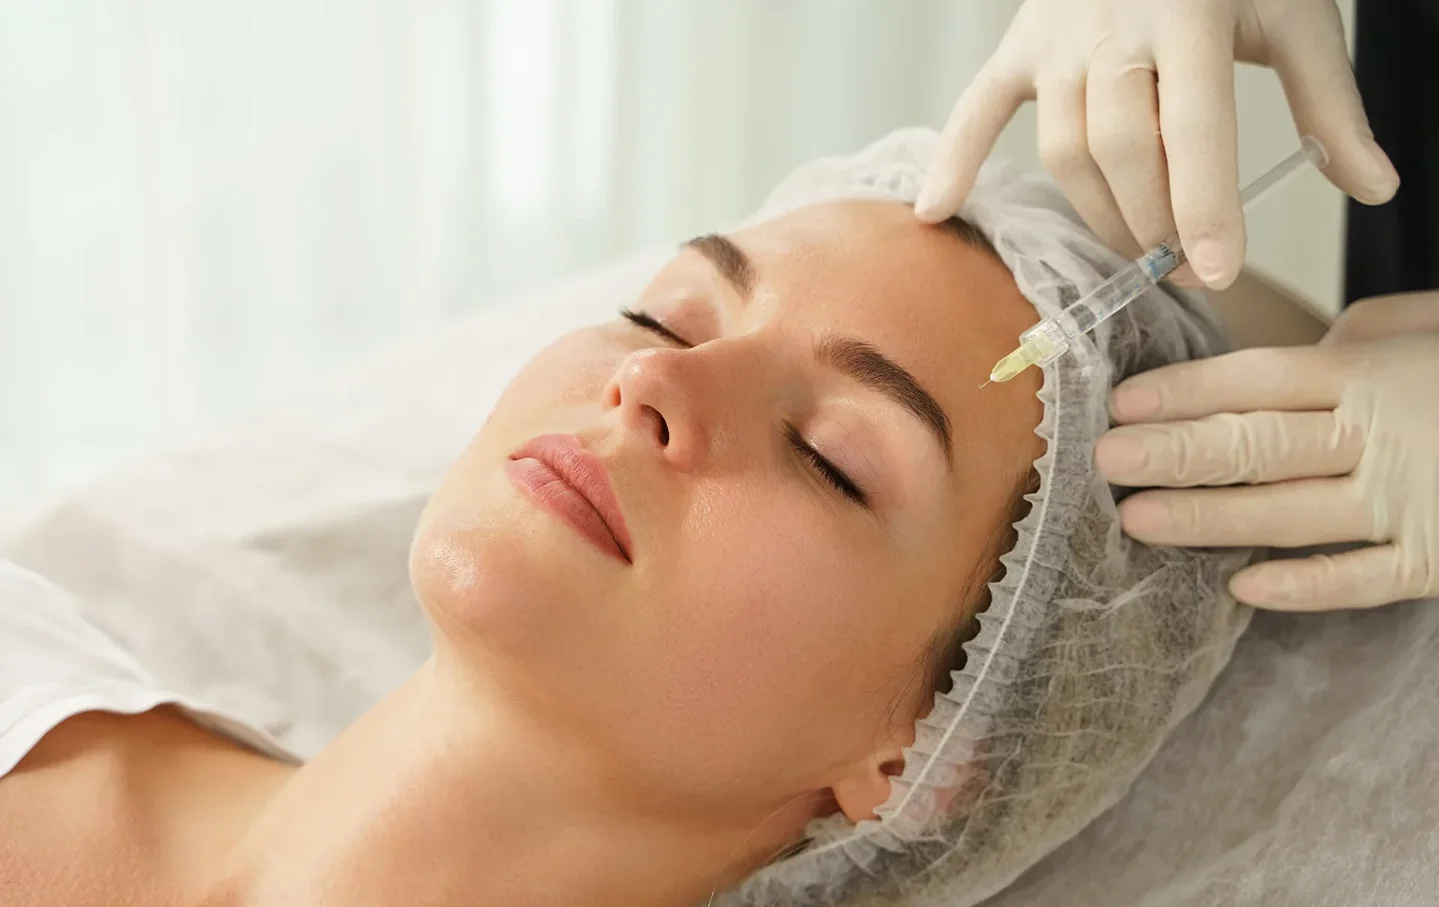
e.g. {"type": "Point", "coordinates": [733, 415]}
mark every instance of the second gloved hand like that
{"type": "Point", "coordinates": [1316, 445]}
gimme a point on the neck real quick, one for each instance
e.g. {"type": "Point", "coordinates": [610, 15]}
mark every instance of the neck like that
{"type": "Point", "coordinates": [439, 797]}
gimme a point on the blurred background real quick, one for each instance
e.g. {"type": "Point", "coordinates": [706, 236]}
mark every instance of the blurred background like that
{"type": "Point", "coordinates": [204, 202]}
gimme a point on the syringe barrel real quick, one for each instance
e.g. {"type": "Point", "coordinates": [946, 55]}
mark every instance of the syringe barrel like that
{"type": "Point", "coordinates": [1116, 292]}
{"type": "Point", "coordinates": [1162, 260]}
{"type": "Point", "coordinates": [1048, 340]}
{"type": "Point", "coordinates": [1052, 336]}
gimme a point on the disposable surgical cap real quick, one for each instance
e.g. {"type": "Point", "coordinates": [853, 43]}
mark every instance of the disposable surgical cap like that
{"type": "Point", "coordinates": [1093, 646]}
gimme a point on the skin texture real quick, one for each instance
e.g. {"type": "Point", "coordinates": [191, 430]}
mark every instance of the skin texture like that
{"type": "Point", "coordinates": [602, 732]}
{"type": "Point", "coordinates": [749, 574]}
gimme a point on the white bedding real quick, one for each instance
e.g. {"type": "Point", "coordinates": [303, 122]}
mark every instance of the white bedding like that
{"type": "Point", "coordinates": [264, 569]}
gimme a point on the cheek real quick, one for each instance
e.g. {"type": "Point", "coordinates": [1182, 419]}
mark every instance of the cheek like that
{"type": "Point", "coordinates": [784, 623]}
{"type": "Point", "coordinates": [574, 369]}
{"type": "Point", "coordinates": [480, 546]}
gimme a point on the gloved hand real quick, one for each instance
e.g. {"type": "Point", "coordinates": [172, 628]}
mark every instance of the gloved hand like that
{"type": "Point", "coordinates": [1332, 443]}
{"type": "Point", "coordinates": [1137, 115]}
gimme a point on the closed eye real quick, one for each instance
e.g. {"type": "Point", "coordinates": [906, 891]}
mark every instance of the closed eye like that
{"type": "Point", "coordinates": [649, 323]}
{"type": "Point", "coordinates": [827, 471]}
{"type": "Point", "coordinates": [831, 474]}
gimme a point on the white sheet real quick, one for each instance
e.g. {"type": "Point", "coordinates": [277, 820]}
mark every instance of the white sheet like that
{"type": "Point", "coordinates": [264, 569]}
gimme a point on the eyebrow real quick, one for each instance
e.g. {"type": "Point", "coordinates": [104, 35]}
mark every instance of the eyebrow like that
{"type": "Point", "coordinates": [849, 355]}
{"type": "Point", "coordinates": [878, 372]}
{"type": "Point", "coordinates": [729, 259]}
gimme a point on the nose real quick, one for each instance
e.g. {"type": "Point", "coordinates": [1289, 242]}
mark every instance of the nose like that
{"type": "Point", "coordinates": [685, 403]}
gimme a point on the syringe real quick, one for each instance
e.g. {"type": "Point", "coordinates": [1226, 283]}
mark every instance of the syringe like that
{"type": "Point", "coordinates": [1048, 340]}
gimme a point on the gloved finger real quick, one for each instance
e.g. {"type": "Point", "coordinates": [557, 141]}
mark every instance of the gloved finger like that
{"type": "Point", "coordinates": [1380, 317]}
{"type": "Point", "coordinates": [978, 117]}
{"type": "Point", "coordinates": [1194, 54]}
{"type": "Point", "coordinates": [1363, 578]}
{"type": "Point", "coordinates": [1287, 379]}
{"type": "Point", "coordinates": [1309, 55]}
{"type": "Point", "coordinates": [1064, 149]}
{"type": "Point", "coordinates": [1230, 449]}
{"type": "Point", "coordinates": [1293, 514]}
{"type": "Point", "coordinates": [1122, 107]}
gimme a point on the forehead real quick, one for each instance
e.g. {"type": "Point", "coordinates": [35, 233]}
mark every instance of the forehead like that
{"type": "Point", "coordinates": [938, 305]}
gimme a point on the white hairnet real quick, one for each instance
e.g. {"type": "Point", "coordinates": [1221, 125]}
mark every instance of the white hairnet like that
{"type": "Point", "coordinates": [1092, 647]}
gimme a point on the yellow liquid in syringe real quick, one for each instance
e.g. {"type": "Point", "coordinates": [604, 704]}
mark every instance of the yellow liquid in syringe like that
{"type": "Point", "coordinates": [1031, 352]}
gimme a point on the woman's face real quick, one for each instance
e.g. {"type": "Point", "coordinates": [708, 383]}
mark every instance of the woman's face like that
{"type": "Point", "coordinates": [810, 482]}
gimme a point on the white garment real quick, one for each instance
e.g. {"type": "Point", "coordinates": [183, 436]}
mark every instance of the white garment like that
{"type": "Point", "coordinates": [54, 665]}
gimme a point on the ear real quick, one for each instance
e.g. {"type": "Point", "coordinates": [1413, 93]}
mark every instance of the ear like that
{"type": "Point", "coordinates": [865, 786]}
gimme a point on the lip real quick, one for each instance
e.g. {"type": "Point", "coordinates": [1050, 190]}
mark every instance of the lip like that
{"type": "Point", "coordinates": [572, 483]}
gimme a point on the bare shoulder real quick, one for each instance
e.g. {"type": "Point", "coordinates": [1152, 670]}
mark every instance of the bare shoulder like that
{"type": "Point", "coordinates": [77, 824]}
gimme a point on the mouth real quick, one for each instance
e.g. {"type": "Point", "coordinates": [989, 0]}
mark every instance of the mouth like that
{"type": "Point", "coordinates": [570, 482]}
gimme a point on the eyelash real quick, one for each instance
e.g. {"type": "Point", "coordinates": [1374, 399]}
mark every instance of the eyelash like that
{"type": "Point", "coordinates": [827, 470]}
{"type": "Point", "coordinates": [831, 474]}
{"type": "Point", "coordinates": [649, 323]}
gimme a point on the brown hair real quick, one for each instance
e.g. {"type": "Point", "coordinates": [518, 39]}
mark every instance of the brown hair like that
{"type": "Point", "coordinates": [946, 653]}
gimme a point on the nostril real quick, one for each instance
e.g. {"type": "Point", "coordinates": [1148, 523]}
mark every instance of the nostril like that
{"type": "Point", "coordinates": [658, 424]}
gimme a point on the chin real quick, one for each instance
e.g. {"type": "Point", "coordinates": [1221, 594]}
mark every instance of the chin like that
{"type": "Point", "coordinates": [508, 585]}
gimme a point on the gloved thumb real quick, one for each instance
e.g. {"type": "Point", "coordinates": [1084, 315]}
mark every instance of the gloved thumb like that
{"type": "Point", "coordinates": [1313, 64]}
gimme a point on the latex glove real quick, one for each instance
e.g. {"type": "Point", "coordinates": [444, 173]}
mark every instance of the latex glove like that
{"type": "Point", "coordinates": [1137, 115]}
{"type": "Point", "coordinates": [1323, 444]}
